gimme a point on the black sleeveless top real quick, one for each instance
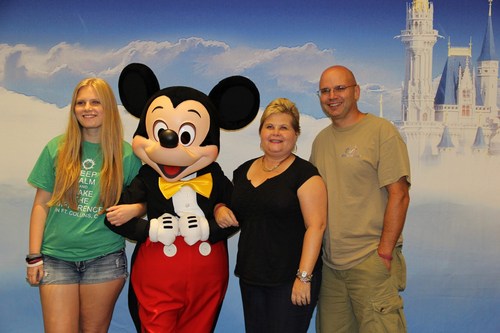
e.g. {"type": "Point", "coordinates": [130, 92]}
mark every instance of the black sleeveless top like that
{"type": "Point", "coordinates": [271, 222]}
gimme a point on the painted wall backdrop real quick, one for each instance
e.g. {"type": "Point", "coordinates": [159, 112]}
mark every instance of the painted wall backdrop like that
{"type": "Point", "coordinates": [452, 233]}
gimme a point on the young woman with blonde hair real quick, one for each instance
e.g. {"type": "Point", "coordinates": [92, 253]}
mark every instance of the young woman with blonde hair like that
{"type": "Point", "coordinates": [79, 264]}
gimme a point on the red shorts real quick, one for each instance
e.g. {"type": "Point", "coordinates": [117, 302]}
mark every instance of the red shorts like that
{"type": "Point", "coordinates": [182, 293]}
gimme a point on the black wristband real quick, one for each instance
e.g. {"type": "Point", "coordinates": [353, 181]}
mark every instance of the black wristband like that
{"type": "Point", "coordinates": [31, 257]}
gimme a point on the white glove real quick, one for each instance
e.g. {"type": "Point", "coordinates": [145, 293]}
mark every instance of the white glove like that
{"type": "Point", "coordinates": [164, 229]}
{"type": "Point", "coordinates": [193, 228]}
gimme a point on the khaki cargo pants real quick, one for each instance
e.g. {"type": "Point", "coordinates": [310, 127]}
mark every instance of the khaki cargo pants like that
{"type": "Point", "coordinates": [363, 299]}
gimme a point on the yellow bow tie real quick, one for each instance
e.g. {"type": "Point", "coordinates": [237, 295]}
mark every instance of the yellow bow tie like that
{"type": "Point", "coordinates": [201, 184]}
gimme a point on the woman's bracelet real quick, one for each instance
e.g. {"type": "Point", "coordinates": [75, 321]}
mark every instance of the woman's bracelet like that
{"type": "Point", "coordinates": [34, 263]}
{"type": "Point", "coordinates": [33, 260]}
{"type": "Point", "coordinates": [303, 276]}
{"type": "Point", "coordinates": [33, 256]}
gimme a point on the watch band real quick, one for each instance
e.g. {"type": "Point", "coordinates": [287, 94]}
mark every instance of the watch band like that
{"type": "Point", "coordinates": [303, 276]}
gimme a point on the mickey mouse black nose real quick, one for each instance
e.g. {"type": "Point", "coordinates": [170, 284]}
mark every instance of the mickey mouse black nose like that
{"type": "Point", "coordinates": [168, 138]}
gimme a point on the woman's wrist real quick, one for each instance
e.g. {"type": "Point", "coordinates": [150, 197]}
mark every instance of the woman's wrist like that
{"type": "Point", "coordinates": [303, 276]}
{"type": "Point", "coordinates": [219, 205]}
{"type": "Point", "coordinates": [34, 259]}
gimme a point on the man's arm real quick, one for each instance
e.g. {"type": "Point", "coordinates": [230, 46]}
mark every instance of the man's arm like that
{"type": "Point", "coordinates": [394, 218]}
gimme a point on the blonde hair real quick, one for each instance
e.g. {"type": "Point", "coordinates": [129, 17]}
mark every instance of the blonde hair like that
{"type": "Point", "coordinates": [68, 165]}
{"type": "Point", "coordinates": [282, 105]}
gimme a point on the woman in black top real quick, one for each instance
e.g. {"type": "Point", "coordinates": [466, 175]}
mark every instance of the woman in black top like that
{"type": "Point", "coordinates": [279, 202]}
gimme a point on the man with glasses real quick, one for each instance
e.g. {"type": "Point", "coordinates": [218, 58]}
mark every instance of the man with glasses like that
{"type": "Point", "coordinates": [364, 163]}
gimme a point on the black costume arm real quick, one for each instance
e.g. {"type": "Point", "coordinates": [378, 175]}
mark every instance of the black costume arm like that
{"type": "Point", "coordinates": [137, 228]}
{"type": "Point", "coordinates": [223, 189]}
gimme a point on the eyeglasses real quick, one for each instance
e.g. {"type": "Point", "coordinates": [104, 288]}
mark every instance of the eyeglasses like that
{"type": "Point", "coordinates": [336, 89]}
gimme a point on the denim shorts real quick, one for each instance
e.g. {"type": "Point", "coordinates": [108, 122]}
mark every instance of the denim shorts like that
{"type": "Point", "coordinates": [97, 270]}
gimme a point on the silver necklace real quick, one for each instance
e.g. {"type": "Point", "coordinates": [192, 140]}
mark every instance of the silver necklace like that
{"type": "Point", "coordinates": [274, 167]}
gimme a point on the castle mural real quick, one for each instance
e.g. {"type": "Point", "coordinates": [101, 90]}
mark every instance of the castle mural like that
{"type": "Point", "coordinates": [460, 116]}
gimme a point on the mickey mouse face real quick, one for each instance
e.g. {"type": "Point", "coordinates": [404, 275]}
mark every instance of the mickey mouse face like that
{"type": "Point", "coordinates": [172, 126]}
{"type": "Point", "coordinates": [179, 127]}
{"type": "Point", "coordinates": [174, 137]}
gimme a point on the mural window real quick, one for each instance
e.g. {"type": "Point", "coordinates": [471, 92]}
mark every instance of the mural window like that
{"type": "Point", "coordinates": [466, 110]}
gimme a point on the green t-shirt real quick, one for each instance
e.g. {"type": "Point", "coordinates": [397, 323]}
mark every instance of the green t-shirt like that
{"type": "Point", "coordinates": [79, 235]}
{"type": "Point", "coordinates": [356, 164]}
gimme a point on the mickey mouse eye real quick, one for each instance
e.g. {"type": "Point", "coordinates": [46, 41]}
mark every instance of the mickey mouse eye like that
{"type": "Point", "coordinates": [187, 133]}
{"type": "Point", "coordinates": [157, 128]}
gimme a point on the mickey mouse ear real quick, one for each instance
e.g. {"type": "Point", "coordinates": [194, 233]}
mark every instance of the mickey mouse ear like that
{"type": "Point", "coordinates": [237, 100]}
{"type": "Point", "coordinates": [137, 83]}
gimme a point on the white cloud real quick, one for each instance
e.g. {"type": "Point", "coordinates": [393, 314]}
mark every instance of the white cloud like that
{"type": "Point", "coordinates": [85, 61]}
{"type": "Point", "coordinates": [290, 66]}
{"type": "Point", "coordinates": [287, 65]}
{"type": "Point", "coordinates": [291, 72]}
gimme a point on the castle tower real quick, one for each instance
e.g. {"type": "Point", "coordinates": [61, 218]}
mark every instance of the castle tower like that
{"type": "Point", "coordinates": [487, 70]}
{"type": "Point", "coordinates": [419, 38]}
{"type": "Point", "coordinates": [418, 126]}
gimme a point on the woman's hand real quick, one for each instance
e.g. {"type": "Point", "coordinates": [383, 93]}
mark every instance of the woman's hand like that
{"type": "Point", "coordinates": [225, 217]}
{"type": "Point", "coordinates": [121, 214]}
{"type": "Point", "coordinates": [34, 274]}
{"type": "Point", "coordinates": [301, 293]}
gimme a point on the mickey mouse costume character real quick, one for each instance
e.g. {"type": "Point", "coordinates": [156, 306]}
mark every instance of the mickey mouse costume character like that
{"type": "Point", "coordinates": [179, 270]}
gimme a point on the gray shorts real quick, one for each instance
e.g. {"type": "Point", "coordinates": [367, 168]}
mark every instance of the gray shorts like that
{"type": "Point", "coordinates": [97, 270]}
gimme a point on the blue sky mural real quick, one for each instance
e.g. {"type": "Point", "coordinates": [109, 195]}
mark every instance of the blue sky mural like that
{"type": "Point", "coordinates": [282, 45]}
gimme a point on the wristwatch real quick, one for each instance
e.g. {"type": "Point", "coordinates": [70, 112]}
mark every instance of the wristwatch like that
{"type": "Point", "coordinates": [303, 276]}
